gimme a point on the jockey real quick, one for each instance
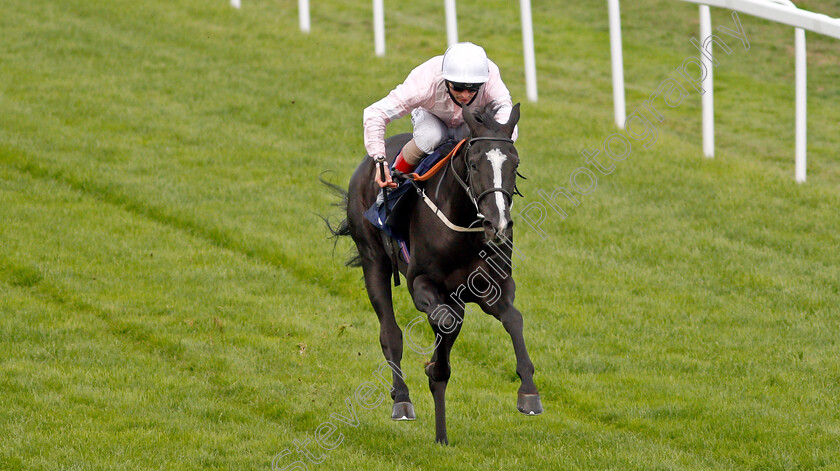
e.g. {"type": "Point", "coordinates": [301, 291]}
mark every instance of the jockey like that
{"type": "Point", "coordinates": [434, 93]}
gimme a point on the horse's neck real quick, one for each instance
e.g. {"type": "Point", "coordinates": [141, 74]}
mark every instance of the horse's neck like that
{"type": "Point", "coordinates": [451, 197]}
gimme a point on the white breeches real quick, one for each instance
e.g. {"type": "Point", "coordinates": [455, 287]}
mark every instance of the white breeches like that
{"type": "Point", "coordinates": [430, 131]}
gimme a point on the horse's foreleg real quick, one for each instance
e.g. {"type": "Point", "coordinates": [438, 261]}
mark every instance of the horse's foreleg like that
{"type": "Point", "coordinates": [439, 372]}
{"type": "Point", "coordinates": [378, 284]}
{"type": "Point", "coordinates": [438, 389]}
{"type": "Point", "coordinates": [446, 324]}
{"type": "Point", "coordinates": [528, 401]}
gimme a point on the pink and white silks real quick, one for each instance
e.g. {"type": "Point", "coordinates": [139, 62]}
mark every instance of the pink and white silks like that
{"type": "Point", "coordinates": [424, 94]}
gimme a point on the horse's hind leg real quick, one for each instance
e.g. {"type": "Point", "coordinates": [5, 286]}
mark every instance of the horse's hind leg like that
{"type": "Point", "coordinates": [377, 270]}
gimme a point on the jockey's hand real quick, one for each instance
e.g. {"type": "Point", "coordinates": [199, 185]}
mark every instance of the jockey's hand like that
{"type": "Point", "coordinates": [380, 166]}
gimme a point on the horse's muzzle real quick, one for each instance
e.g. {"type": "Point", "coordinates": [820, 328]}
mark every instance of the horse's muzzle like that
{"type": "Point", "coordinates": [497, 235]}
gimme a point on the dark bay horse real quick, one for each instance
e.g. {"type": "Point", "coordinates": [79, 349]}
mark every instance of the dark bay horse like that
{"type": "Point", "coordinates": [448, 267]}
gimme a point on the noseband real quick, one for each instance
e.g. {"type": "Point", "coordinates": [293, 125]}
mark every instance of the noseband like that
{"type": "Point", "coordinates": [465, 184]}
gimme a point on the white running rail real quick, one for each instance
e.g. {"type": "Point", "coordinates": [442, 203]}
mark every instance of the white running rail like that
{"type": "Point", "coordinates": [779, 11]}
{"type": "Point", "coordinates": [451, 34]}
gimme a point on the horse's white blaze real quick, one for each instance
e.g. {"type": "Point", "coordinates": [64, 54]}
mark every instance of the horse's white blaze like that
{"type": "Point", "coordinates": [497, 158]}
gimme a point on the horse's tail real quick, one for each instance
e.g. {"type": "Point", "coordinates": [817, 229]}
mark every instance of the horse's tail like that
{"type": "Point", "coordinates": [343, 227]}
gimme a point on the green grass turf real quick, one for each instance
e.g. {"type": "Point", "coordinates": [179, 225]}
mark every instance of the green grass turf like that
{"type": "Point", "coordinates": [169, 299]}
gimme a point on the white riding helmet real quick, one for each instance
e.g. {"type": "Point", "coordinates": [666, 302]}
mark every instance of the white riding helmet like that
{"type": "Point", "coordinates": [466, 63]}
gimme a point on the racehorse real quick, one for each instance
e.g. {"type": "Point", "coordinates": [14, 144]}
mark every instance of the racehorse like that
{"type": "Point", "coordinates": [451, 262]}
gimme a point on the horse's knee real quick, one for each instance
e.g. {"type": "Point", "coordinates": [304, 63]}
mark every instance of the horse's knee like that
{"type": "Point", "coordinates": [424, 295]}
{"type": "Point", "coordinates": [423, 303]}
{"type": "Point", "coordinates": [390, 335]}
{"type": "Point", "coordinates": [438, 371]}
{"type": "Point", "coordinates": [511, 319]}
{"type": "Point", "coordinates": [444, 319]}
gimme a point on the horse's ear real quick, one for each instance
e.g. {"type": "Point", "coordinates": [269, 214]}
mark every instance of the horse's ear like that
{"type": "Point", "coordinates": [472, 123]}
{"type": "Point", "coordinates": [514, 118]}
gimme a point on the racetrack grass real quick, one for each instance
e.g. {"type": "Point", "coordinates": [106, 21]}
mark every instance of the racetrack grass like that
{"type": "Point", "coordinates": [169, 300]}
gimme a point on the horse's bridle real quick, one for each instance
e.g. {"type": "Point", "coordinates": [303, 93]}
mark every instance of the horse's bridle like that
{"type": "Point", "coordinates": [465, 184]}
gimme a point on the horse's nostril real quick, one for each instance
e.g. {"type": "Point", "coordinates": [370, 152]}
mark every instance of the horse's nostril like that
{"type": "Point", "coordinates": [489, 230]}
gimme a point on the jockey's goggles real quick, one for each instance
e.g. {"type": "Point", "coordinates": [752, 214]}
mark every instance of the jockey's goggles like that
{"type": "Point", "coordinates": [460, 87]}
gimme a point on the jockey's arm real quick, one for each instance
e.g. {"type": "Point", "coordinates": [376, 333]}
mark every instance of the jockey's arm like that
{"type": "Point", "coordinates": [411, 94]}
{"type": "Point", "coordinates": [376, 118]}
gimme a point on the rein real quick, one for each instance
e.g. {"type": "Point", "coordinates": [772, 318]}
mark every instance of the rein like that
{"type": "Point", "coordinates": [465, 184]}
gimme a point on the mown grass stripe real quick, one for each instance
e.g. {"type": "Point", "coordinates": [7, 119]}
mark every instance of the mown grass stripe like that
{"type": "Point", "coordinates": [218, 237]}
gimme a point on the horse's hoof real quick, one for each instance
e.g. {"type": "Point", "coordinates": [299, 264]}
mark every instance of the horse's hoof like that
{"type": "Point", "coordinates": [403, 411]}
{"type": "Point", "coordinates": [442, 441]}
{"type": "Point", "coordinates": [529, 404]}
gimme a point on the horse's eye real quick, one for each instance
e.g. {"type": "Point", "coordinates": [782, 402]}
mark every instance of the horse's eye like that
{"type": "Point", "coordinates": [472, 165]}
